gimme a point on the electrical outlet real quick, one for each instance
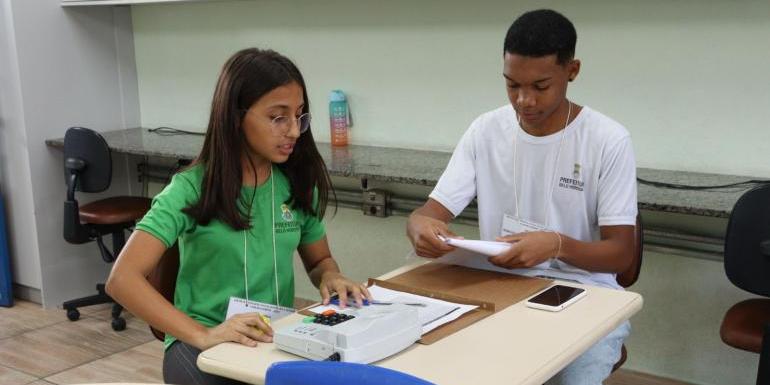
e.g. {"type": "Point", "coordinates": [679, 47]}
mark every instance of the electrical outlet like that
{"type": "Point", "coordinates": [376, 203]}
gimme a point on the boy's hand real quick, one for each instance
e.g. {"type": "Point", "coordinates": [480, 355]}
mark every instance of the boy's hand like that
{"type": "Point", "coordinates": [424, 232]}
{"type": "Point", "coordinates": [527, 250]}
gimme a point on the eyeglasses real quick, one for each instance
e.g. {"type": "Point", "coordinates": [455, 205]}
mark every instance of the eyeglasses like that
{"type": "Point", "coordinates": [282, 124]}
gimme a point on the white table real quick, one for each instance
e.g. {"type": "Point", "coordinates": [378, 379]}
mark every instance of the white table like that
{"type": "Point", "coordinates": [517, 345]}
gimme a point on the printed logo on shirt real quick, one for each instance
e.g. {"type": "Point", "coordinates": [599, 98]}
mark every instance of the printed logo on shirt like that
{"type": "Point", "coordinates": [286, 213]}
{"type": "Point", "coordinates": [574, 183]}
{"type": "Point", "coordinates": [286, 227]}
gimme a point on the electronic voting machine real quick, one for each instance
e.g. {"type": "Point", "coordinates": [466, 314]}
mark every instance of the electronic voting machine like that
{"type": "Point", "coordinates": [360, 335]}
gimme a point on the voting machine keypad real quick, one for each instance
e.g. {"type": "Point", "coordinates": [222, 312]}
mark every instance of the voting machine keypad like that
{"type": "Point", "coordinates": [331, 318]}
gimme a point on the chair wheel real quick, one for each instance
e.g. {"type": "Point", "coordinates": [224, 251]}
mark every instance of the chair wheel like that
{"type": "Point", "coordinates": [73, 314]}
{"type": "Point", "coordinates": [118, 324]}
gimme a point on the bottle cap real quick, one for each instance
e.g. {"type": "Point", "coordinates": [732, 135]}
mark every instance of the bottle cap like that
{"type": "Point", "coordinates": [337, 96]}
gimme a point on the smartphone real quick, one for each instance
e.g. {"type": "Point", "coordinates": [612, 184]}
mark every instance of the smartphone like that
{"type": "Point", "coordinates": [556, 297]}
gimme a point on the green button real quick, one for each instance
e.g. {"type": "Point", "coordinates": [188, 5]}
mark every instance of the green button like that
{"type": "Point", "coordinates": [308, 320]}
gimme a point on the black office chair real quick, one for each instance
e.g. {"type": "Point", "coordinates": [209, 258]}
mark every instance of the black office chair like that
{"type": "Point", "coordinates": [88, 168]}
{"type": "Point", "coordinates": [746, 325]}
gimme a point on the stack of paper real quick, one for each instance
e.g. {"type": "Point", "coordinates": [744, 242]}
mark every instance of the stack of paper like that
{"type": "Point", "coordinates": [489, 248]}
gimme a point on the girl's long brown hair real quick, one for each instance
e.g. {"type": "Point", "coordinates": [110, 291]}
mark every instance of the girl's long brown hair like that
{"type": "Point", "coordinates": [245, 78]}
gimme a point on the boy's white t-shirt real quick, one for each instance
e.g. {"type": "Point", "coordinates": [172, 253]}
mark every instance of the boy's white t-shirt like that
{"type": "Point", "coordinates": [594, 183]}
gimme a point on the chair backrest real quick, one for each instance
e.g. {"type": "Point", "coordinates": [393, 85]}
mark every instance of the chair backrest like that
{"type": "Point", "coordinates": [87, 168]}
{"type": "Point", "coordinates": [747, 242]}
{"type": "Point", "coordinates": [86, 153]}
{"type": "Point", "coordinates": [163, 279]}
{"type": "Point", "coordinates": [629, 277]}
{"type": "Point", "coordinates": [335, 373]}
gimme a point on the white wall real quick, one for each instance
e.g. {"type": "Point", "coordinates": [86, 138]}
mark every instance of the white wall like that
{"type": "Point", "coordinates": [16, 186]}
{"type": "Point", "coordinates": [67, 67]}
{"type": "Point", "coordinates": [684, 74]}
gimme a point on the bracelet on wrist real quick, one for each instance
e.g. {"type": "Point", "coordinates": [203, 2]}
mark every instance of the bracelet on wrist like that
{"type": "Point", "coordinates": [558, 248]}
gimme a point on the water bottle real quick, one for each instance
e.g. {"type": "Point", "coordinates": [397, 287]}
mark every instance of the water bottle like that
{"type": "Point", "coordinates": [339, 118]}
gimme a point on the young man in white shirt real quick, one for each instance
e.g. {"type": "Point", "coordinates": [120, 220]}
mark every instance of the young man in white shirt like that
{"type": "Point", "coordinates": [555, 179]}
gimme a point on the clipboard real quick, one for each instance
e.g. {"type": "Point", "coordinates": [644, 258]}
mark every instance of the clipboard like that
{"type": "Point", "coordinates": [491, 291]}
{"type": "Point", "coordinates": [484, 309]}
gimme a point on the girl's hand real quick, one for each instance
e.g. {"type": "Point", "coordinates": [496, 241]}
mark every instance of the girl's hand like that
{"type": "Point", "coordinates": [245, 328]}
{"type": "Point", "coordinates": [335, 282]}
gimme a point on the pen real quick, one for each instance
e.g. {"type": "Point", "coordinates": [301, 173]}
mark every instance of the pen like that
{"type": "Point", "coordinates": [420, 304]}
{"type": "Point", "coordinates": [336, 301]}
{"type": "Point", "coordinates": [265, 319]}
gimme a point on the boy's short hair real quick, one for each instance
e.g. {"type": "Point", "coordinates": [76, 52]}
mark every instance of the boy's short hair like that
{"type": "Point", "coordinates": [541, 33]}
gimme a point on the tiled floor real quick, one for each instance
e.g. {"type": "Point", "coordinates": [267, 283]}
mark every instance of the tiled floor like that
{"type": "Point", "coordinates": [42, 347]}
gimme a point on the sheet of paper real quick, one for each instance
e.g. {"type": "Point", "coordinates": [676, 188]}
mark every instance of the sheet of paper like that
{"type": "Point", "coordinates": [434, 314]}
{"type": "Point", "coordinates": [240, 305]}
{"type": "Point", "coordinates": [547, 269]}
{"type": "Point", "coordinates": [477, 260]}
{"type": "Point", "coordinates": [489, 248]}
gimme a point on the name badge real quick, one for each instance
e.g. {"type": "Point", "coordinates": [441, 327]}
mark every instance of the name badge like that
{"type": "Point", "coordinates": [240, 305]}
{"type": "Point", "coordinates": [515, 225]}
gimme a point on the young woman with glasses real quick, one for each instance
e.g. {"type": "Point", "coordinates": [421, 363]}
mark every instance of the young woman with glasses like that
{"type": "Point", "coordinates": [256, 193]}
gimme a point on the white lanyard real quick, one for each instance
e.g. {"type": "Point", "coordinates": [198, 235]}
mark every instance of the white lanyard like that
{"type": "Point", "coordinates": [245, 248]}
{"type": "Point", "coordinates": [546, 205]}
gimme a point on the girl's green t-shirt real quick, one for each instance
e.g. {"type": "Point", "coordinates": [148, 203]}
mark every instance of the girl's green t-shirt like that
{"type": "Point", "coordinates": [211, 257]}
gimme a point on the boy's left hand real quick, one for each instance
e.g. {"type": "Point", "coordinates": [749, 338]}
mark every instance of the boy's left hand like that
{"type": "Point", "coordinates": [334, 282]}
{"type": "Point", "coordinates": [527, 250]}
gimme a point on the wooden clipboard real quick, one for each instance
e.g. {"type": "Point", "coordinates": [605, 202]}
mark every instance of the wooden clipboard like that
{"type": "Point", "coordinates": [491, 291]}
{"type": "Point", "coordinates": [483, 310]}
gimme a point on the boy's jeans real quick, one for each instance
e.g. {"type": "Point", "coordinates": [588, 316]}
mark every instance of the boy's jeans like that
{"type": "Point", "coordinates": [595, 364]}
